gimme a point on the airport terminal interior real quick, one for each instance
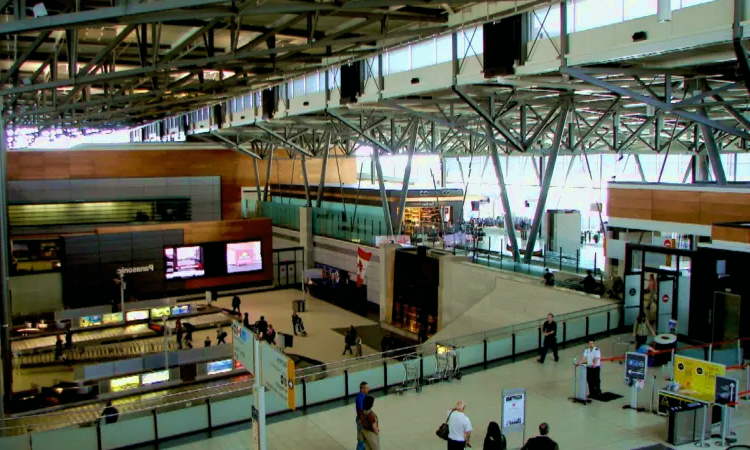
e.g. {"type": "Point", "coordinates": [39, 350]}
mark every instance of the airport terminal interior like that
{"type": "Point", "coordinates": [228, 224]}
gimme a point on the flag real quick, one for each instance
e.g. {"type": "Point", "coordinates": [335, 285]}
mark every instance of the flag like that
{"type": "Point", "coordinates": [363, 259]}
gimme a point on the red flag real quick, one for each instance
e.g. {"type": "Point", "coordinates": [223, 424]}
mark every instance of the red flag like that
{"type": "Point", "coordinates": [363, 259]}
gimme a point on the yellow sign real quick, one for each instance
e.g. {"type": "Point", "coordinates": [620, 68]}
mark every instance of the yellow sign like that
{"type": "Point", "coordinates": [697, 376]}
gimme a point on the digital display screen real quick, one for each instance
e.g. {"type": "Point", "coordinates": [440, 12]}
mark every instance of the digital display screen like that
{"type": "Point", "coordinates": [244, 257]}
{"type": "Point", "coordinates": [180, 309]}
{"type": "Point", "coordinates": [124, 383]}
{"type": "Point", "coordinates": [91, 321]}
{"type": "Point", "coordinates": [155, 377]}
{"type": "Point", "coordinates": [222, 366]}
{"type": "Point", "coordinates": [184, 262]}
{"type": "Point", "coordinates": [160, 312]}
{"type": "Point", "coordinates": [131, 316]}
{"type": "Point", "coordinates": [112, 318]}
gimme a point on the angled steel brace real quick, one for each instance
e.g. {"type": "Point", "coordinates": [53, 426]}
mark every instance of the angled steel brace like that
{"type": "Point", "coordinates": [383, 194]}
{"type": "Point", "coordinates": [357, 130]}
{"type": "Point", "coordinates": [541, 127]}
{"type": "Point", "coordinates": [503, 195]}
{"type": "Point", "coordinates": [285, 141]}
{"type": "Point", "coordinates": [712, 149]}
{"type": "Point", "coordinates": [596, 125]}
{"type": "Point", "coordinates": [504, 131]}
{"type": "Point", "coordinates": [546, 182]}
{"type": "Point", "coordinates": [308, 202]}
{"type": "Point", "coordinates": [240, 148]}
{"type": "Point", "coordinates": [323, 168]}
{"type": "Point", "coordinates": [405, 185]}
{"type": "Point", "coordinates": [663, 106]}
{"type": "Point", "coordinates": [639, 167]}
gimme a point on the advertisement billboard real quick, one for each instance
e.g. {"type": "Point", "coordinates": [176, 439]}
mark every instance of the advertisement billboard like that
{"type": "Point", "coordinates": [124, 383]}
{"type": "Point", "coordinates": [155, 377]}
{"type": "Point", "coordinates": [222, 366]}
{"type": "Point", "coordinates": [141, 314]}
{"type": "Point", "coordinates": [184, 262]}
{"type": "Point", "coordinates": [91, 321]}
{"type": "Point", "coordinates": [244, 257]}
{"type": "Point", "coordinates": [160, 312]}
{"type": "Point", "coordinates": [108, 319]}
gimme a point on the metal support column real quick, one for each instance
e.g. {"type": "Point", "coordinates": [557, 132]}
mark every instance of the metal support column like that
{"type": "Point", "coordinates": [268, 174]}
{"type": "Point", "coordinates": [712, 149]}
{"type": "Point", "coordinates": [383, 195]}
{"type": "Point", "coordinates": [7, 356]}
{"type": "Point", "coordinates": [541, 204]}
{"type": "Point", "coordinates": [258, 189]}
{"type": "Point", "coordinates": [308, 202]}
{"type": "Point", "coordinates": [503, 195]}
{"type": "Point", "coordinates": [322, 183]}
{"type": "Point", "coordinates": [407, 174]}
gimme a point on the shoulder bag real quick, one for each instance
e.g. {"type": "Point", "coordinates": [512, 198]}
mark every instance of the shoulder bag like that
{"type": "Point", "coordinates": [443, 430]}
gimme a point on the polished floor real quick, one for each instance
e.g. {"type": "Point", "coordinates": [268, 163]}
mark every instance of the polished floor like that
{"type": "Point", "coordinates": [409, 421]}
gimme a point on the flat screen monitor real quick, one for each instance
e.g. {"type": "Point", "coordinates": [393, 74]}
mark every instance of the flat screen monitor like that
{"type": "Point", "coordinates": [160, 312]}
{"type": "Point", "coordinates": [184, 262]}
{"type": "Point", "coordinates": [222, 366]}
{"type": "Point", "coordinates": [155, 377]}
{"type": "Point", "coordinates": [132, 316]}
{"type": "Point", "coordinates": [124, 383]}
{"type": "Point", "coordinates": [112, 318]}
{"type": "Point", "coordinates": [244, 257]}
{"type": "Point", "coordinates": [91, 321]}
{"type": "Point", "coordinates": [180, 309]}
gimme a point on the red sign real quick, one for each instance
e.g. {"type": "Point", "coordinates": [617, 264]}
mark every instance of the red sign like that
{"type": "Point", "coordinates": [665, 298]}
{"type": "Point", "coordinates": [668, 243]}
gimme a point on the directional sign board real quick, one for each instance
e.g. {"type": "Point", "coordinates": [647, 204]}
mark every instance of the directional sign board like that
{"type": "Point", "coordinates": [635, 366]}
{"type": "Point", "coordinates": [726, 390]}
{"type": "Point", "coordinates": [514, 410]}
{"type": "Point", "coordinates": [278, 374]}
{"type": "Point", "coordinates": [242, 341]}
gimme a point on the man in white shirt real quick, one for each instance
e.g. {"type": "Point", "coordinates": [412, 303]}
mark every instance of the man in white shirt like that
{"type": "Point", "coordinates": [592, 357]}
{"type": "Point", "coordinates": [459, 428]}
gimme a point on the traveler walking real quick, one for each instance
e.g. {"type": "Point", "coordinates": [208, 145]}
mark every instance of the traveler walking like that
{"type": "Point", "coordinates": [189, 328]}
{"type": "Point", "coordinates": [370, 425]}
{"type": "Point", "coordinates": [641, 330]}
{"type": "Point", "coordinates": [494, 439]}
{"type": "Point", "coordinates": [549, 331]}
{"type": "Point", "coordinates": [549, 278]}
{"type": "Point", "coordinates": [359, 404]}
{"type": "Point", "coordinates": [459, 428]}
{"type": "Point", "coordinates": [261, 327]}
{"type": "Point", "coordinates": [178, 333]}
{"type": "Point", "coordinates": [58, 348]}
{"type": "Point", "coordinates": [541, 442]}
{"type": "Point", "coordinates": [236, 305]}
{"type": "Point", "coordinates": [246, 322]}
{"type": "Point", "coordinates": [221, 336]}
{"type": "Point", "coordinates": [270, 335]}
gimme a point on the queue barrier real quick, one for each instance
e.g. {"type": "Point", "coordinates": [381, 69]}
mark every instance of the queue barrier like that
{"type": "Point", "coordinates": [153, 424]}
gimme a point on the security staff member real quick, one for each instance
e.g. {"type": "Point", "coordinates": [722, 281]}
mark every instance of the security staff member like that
{"type": "Point", "coordinates": [549, 331]}
{"type": "Point", "coordinates": [593, 357]}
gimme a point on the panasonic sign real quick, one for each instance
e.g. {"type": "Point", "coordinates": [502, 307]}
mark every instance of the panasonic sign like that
{"type": "Point", "coordinates": [127, 270]}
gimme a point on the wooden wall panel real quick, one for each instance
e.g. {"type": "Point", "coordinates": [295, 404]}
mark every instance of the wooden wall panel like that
{"type": "Point", "coordinates": [236, 170]}
{"type": "Point", "coordinates": [732, 234]}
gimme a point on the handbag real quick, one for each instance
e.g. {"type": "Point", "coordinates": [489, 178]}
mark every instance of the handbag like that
{"type": "Point", "coordinates": [443, 430]}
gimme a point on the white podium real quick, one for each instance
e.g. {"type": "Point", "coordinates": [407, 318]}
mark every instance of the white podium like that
{"type": "Point", "coordinates": [580, 384]}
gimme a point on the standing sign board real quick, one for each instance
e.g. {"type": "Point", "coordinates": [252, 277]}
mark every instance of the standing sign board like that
{"type": "Point", "coordinates": [726, 390]}
{"type": "Point", "coordinates": [514, 411]}
{"type": "Point", "coordinates": [242, 342]}
{"type": "Point", "coordinates": [635, 366]}
{"type": "Point", "coordinates": [697, 376]}
{"type": "Point", "coordinates": [278, 374]}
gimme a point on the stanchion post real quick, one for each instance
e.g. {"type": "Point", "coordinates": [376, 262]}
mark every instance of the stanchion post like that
{"type": "Point", "coordinates": [560, 258]}
{"type": "Point", "coordinates": [710, 351]}
{"type": "Point", "coordinates": [739, 352]}
{"type": "Point", "coordinates": [653, 391]}
{"type": "Point", "coordinates": [747, 380]}
{"type": "Point", "coordinates": [671, 366]}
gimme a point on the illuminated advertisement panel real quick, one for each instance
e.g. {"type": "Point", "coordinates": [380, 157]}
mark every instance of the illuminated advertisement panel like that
{"type": "Point", "coordinates": [222, 366]}
{"type": "Point", "coordinates": [91, 321]}
{"type": "Point", "coordinates": [160, 312]}
{"type": "Point", "coordinates": [180, 309]}
{"type": "Point", "coordinates": [155, 377]}
{"type": "Point", "coordinates": [131, 316]}
{"type": "Point", "coordinates": [124, 383]}
{"type": "Point", "coordinates": [244, 257]}
{"type": "Point", "coordinates": [112, 318]}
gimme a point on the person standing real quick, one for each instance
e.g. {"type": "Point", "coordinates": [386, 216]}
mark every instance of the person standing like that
{"type": "Point", "coordinates": [246, 322]}
{"type": "Point", "coordinates": [178, 333]}
{"type": "Point", "coordinates": [236, 305]}
{"type": "Point", "coordinates": [261, 327]}
{"type": "Point", "coordinates": [270, 335]}
{"type": "Point", "coordinates": [494, 439]}
{"type": "Point", "coordinates": [652, 288]}
{"type": "Point", "coordinates": [58, 348]}
{"type": "Point", "coordinates": [110, 414]}
{"type": "Point", "coordinates": [641, 330]}
{"type": "Point", "coordinates": [68, 337]}
{"type": "Point", "coordinates": [370, 425]}
{"type": "Point", "coordinates": [359, 346]}
{"type": "Point", "coordinates": [207, 342]}
{"type": "Point", "coordinates": [549, 331]}
{"type": "Point", "coordinates": [348, 342]}
{"type": "Point", "coordinates": [189, 334]}
{"type": "Point", "coordinates": [592, 357]}
{"type": "Point", "coordinates": [359, 404]}
{"type": "Point", "coordinates": [541, 442]}
{"type": "Point", "coordinates": [459, 428]}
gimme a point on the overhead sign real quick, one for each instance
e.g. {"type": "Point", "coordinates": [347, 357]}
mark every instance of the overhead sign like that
{"type": "Point", "coordinates": [668, 243]}
{"type": "Point", "coordinates": [665, 298]}
{"type": "Point", "coordinates": [726, 390]}
{"type": "Point", "coordinates": [697, 376]}
{"type": "Point", "coordinates": [635, 366]}
{"type": "Point", "coordinates": [278, 374]}
{"type": "Point", "coordinates": [243, 347]}
{"type": "Point", "coordinates": [514, 409]}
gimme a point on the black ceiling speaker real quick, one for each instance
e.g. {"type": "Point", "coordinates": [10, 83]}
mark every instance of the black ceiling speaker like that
{"type": "Point", "coordinates": [639, 36]}
{"type": "Point", "coordinates": [270, 102]}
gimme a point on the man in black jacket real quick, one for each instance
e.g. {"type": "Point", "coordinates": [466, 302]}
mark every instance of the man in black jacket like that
{"type": "Point", "coordinates": [541, 442]}
{"type": "Point", "coordinates": [549, 331]}
{"type": "Point", "coordinates": [236, 304]}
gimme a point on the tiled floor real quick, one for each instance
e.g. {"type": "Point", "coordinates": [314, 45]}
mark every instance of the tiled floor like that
{"type": "Point", "coordinates": [409, 421]}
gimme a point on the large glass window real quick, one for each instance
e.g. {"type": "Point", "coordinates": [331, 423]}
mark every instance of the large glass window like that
{"type": "Point", "coordinates": [423, 54]}
{"type": "Point", "coordinates": [299, 87]}
{"type": "Point", "coordinates": [399, 60]}
{"type": "Point", "coordinates": [444, 48]}
{"type": "Point", "coordinates": [593, 14]}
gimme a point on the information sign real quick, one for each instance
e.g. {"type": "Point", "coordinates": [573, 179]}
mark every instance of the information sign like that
{"type": "Point", "coordinates": [635, 366]}
{"type": "Point", "coordinates": [726, 390]}
{"type": "Point", "coordinates": [514, 409]}
{"type": "Point", "coordinates": [278, 374]}
{"type": "Point", "coordinates": [697, 376]}
{"type": "Point", "coordinates": [242, 343]}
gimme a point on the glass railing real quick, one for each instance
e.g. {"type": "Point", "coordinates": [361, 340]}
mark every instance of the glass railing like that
{"type": "Point", "coordinates": [359, 228]}
{"type": "Point", "coordinates": [163, 416]}
{"type": "Point", "coordinates": [284, 216]}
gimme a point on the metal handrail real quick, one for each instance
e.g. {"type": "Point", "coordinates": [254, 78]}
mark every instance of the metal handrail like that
{"type": "Point", "coordinates": [422, 350]}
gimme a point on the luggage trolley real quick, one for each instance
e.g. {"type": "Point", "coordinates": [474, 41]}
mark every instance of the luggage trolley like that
{"type": "Point", "coordinates": [446, 364]}
{"type": "Point", "coordinates": [411, 375]}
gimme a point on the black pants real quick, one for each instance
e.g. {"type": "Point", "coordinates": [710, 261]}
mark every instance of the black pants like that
{"type": "Point", "coordinates": [236, 308]}
{"type": "Point", "coordinates": [593, 378]}
{"type": "Point", "coordinates": [456, 445]}
{"type": "Point", "coordinates": [349, 348]}
{"type": "Point", "coordinates": [547, 345]}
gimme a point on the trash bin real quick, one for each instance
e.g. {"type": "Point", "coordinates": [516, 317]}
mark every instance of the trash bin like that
{"type": "Point", "coordinates": [299, 305]}
{"type": "Point", "coordinates": [684, 423]}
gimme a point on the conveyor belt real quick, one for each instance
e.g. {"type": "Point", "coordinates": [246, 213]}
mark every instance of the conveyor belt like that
{"type": "Point", "coordinates": [90, 413]}
{"type": "Point", "coordinates": [47, 343]}
{"type": "Point", "coordinates": [119, 350]}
